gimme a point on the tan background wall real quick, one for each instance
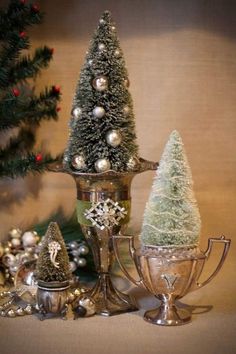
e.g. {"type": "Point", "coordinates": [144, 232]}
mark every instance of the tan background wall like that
{"type": "Point", "coordinates": [181, 57]}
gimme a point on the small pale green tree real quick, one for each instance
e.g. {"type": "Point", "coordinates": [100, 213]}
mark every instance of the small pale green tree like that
{"type": "Point", "coordinates": [171, 216]}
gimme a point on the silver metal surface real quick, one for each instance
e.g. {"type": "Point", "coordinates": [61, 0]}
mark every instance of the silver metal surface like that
{"type": "Point", "coordinates": [98, 188]}
{"type": "Point", "coordinates": [53, 299]}
{"type": "Point", "coordinates": [169, 274]}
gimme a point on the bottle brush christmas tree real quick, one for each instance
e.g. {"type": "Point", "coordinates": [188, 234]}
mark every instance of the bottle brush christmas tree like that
{"type": "Point", "coordinates": [20, 106]}
{"type": "Point", "coordinates": [53, 261]}
{"type": "Point", "coordinates": [171, 216]}
{"type": "Point", "coordinates": [102, 129]}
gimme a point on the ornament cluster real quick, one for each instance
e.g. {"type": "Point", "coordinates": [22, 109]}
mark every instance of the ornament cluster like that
{"type": "Point", "coordinates": [22, 247]}
{"type": "Point", "coordinates": [32, 295]}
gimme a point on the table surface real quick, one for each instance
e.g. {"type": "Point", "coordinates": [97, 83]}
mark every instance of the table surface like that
{"type": "Point", "coordinates": [211, 331]}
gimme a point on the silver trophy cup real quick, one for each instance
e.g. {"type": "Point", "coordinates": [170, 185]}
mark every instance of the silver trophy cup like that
{"type": "Point", "coordinates": [169, 273]}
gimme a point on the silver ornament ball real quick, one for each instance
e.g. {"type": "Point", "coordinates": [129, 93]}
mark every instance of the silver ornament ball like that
{"type": "Point", "coordinates": [102, 165]}
{"type": "Point", "coordinates": [73, 245]}
{"type": "Point", "coordinates": [83, 250]}
{"type": "Point", "coordinates": [100, 83]}
{"type": "Point", "coordinates": [126, 110]}
{"type": "Point", "coordinates": [117, 53]}
{"type": "Point", "coordinates": [90, 62]}
{"type": "Point", "coordinates": [113, 138]}
{"type": "Point", "coordinates": [76, 112]}
{"type": "Point", "coordinates": [29, 239]}
{"type": "Point", "coordinates": [73, 266]}
{"type": "Point", "coordinates": [81, 262]}
{"type": "Point", "coordinates": [78, 162]}
{"type": "Point", "coordinates": [9, 260]}
{"type": "Point", "coordinates": [98, 112]}
{"type": "Point", "coordinates": [75, 252]}
{"type": "Point", "coordinates": [102, 21]}
{"type": "Point", "coordinates": [101, 47]}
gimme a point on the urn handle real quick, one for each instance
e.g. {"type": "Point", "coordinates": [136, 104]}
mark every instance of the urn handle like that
{"type": "Point", "coordinates": [132, 251]}
{"type": "Point", "coordinates": [211, 241]}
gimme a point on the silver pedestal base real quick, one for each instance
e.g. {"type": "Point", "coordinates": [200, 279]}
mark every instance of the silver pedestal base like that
{"type": "Point", "coordinates": [108, 300]}
{"type": "Point", "coordinates": [168, 316]}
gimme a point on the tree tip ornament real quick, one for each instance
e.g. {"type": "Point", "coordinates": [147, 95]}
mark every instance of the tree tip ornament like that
{"type": "Point", "coordinates": [102, 129]}
{"type": "Point", "coordinates": [171, 215]}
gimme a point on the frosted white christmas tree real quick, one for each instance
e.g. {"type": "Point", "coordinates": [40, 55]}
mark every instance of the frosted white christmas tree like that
{"type": "Point", "coordinates": [171, 216]}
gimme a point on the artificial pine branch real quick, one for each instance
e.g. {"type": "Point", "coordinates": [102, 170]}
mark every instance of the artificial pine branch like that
{"type": "Point", "coordinates": [18, 16]}
{"type": "Point", "coordinates": [19, 105]}
{"type": "Point", "coordinates": [30, 110]}
{"type": "Point", "coordinates": [18, 145]}
{"type": "Point", "coordinates": [20, 167]}
{"type": "Point", "coordinates": [27, 67]}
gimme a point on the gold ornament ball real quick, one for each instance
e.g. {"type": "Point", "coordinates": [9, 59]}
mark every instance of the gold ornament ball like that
{"type": "Point", "coordinates": [102, 165]}
{"type": "Point", "coordinates": [16, 242]}
{"type": "Point", "coordinates": [88, 304]}
{"type": "Point", "coordinates": [133, 163]}
{"type": "Point", "coordinates": [76, 112]}
{"type": "Point", "coordinates": [113, 28]}
{"type": "Point", "coordinates": [98, 112]}
{"type": "Point", "coordinates": [1, 250]}
{"type": "Point", "coordinates": [126, 82]}
{"type": "Point", "coordinates": [113, 138]}
{"type": "Point", "coordinates": [20, 311]}
{"type": "Point", "coordinates": [11, 313]}
{"type": "Point", "coordinates": [15, 233]}
{"type": "Point", "coordinates": [78, 162]}
{"type": "Point", "coordinates": [100, 83]}
{"type": "Point", "coordinates": [101, 47]}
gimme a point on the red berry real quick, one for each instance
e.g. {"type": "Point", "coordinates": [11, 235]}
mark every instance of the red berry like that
{"type": "Point", "coordinates": [56, 89]}
{"type": "Point", "coordinates": [39, 158]}
{"type": "Point", "coordinates": [52, 50]}
{"type": "Point", "coordinates": [16, 92]}
{"type": "Point", "coordinates": [58, 109]}
{"type": "Point", "coordinates": [22, 34]}
{"type": "Point", "coordinates": [35, 8]}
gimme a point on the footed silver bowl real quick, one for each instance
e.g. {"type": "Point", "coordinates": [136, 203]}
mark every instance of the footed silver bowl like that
{"type": "Point", "coordinates": [169, 273]}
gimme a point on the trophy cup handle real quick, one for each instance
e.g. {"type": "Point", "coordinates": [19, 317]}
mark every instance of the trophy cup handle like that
{"type": "Point", "coordinates": [132, 254]}
{"type": "Point", "coordinates": [211, 241]}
